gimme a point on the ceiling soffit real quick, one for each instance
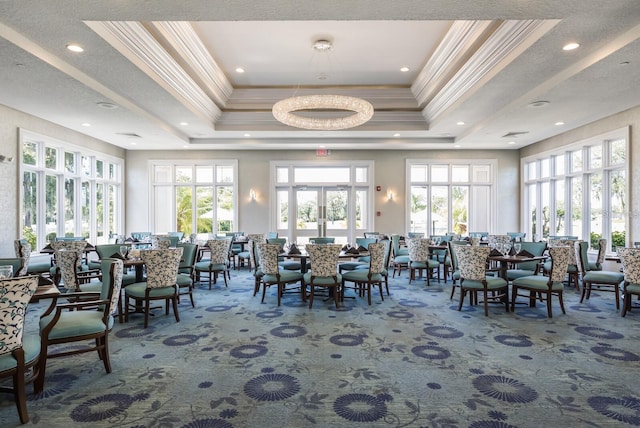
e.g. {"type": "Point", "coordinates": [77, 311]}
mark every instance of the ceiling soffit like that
{"type": "Point", "coordinates": [469, 54]}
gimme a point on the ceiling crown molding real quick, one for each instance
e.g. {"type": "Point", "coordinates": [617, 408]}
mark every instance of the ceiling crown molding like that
{"type": "Point", "coordinates": [448, 58]}
{"type": "Point", "coordinates": [188, 45]}
{"type": "Point", "coordinates": [135, 42]}
{"type": "Point", "coordinates": [507, 41]}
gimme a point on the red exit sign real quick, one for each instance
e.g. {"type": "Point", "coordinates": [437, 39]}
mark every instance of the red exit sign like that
{"type": "Point", "coordinates": [322, 152]}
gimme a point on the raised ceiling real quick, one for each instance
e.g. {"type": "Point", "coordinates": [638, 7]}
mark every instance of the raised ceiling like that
{"type": "Point", "coordinates": [476, 69]}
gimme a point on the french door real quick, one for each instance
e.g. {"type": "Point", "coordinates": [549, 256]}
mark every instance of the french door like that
{"type": "Point", "coordinates": [321, 211]}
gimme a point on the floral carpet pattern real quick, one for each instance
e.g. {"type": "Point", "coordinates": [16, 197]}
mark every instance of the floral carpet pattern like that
{"type": "Point", "coordinates": [410, 361]}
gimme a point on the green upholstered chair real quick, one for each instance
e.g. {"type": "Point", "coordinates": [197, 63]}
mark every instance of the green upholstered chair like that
{"type": "Point", "coordinates": [453, 261]}
{"type": "Point", "coordinates": [112, 251]}
{"type": "Point", "coordinates": [161, 284]}
{"type": "Point", "coordinates": [478, 234]}
{"type": "Point", "coordinates": [630, 258]}
{"type": "Point", "coordinates": [218, 263]}
{"type": "Point", "coordinates": [257, 268]}
{"type": "Point", "coordinates": [361, 261]}
{"type": "Point", "coordinates": [517, 236]}
{"type": "Point", "coordinates": [179, 235]}
{"type": "Point", "coordinates": [273, 274]}
{"type": "Point", "coordinates": [572, 270]}
{"type": "Point", "coordinates": [324, 270]}
{"type": "Point", "coordinates": [528, 268]}
{"type": "Point", "coordinates": [366, 278]}
{"type": "Point", "coordinates": [245, 255]}
{"type": "Point", "coordinates": [91, 321]}
{"type": "Point", "coordinates": [544, 287]}
{"type": "Point", "coordinates": [420, 258]}
{"type": "Point", "coordinates": [19, 352]}
{"type": "Point", "coordinates": [271, 235]}
{"type": "Point", "coordinates": [472, 261]}
{"type": "Point", "coordinates": [284, 262]}
{"type": "Point", "coordinates": [140, 236]}
{"type": "Point", "coordinates": [71, 245]}
{"type": "Point", "coordinates": [601, 280]}
{"type": "Point", "coordinates": [23, 250]}
{"type": "Point", "coordinates": [186, 271]}
{"type": "Point", "coordinates": [322, 240]}
{"type": "Point", "coordinates": [400, 258]}
{"type": "Point", "coordinates": [387, 262]}
{"type": "Point", "coordinates": [75, 280]}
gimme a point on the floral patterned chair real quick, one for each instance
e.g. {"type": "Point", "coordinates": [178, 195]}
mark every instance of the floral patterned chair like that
{"type": "Point", "coordinates": [245, 256]}
{"type": "Point", "coordinates": [272, 274]}
{"type": "Point", "coordinates": [324, 270]}
{"type": "Point", "coordinates": [23, 250]}
{"type": "Point", "coordinates": [19, 352]}
{"type": "Point", "coordinates": [544, 287]}
{"type": "Point", "coordinates": [186, 271]}
{"type": "Point", "coordinates": [472, 261]}
{"type": "Point", "coordinates": [75, 280]}
{"type": "Point", "coordinates": [374, 275]}
{"type": "Point", "coordinates": [573, 274]}
{"type": "Point", "coordinates": [630, 258]}
{"type": "Point", "coordinates": [419, 258]}
{"type": "Point", "coordinates": [161, 284]}
{"type": "Point", "coordinates": [602, 280]}
{"type": "Point", "coordinates": [217, 263]}
{"type": "Point", "coordinates": [77, 246]}
{"type": "Point", "coordinates": [602, 249]}
{"type": "Point", "coordinates": [59, 324]}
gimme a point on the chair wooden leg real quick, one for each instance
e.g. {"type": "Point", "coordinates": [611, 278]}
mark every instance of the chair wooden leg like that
{"type": "Point", "coordinates": [175, 308]}
{"type": "Point", "coordinates": [147, 309]}
{"type": "Point", "coordinates": [462, 294]}
{"type": "Point", "coordinates": [103, 351]}
{"type": "Point", "coordinates": [20, 394]}
{"type": "Point", "coordinates": [311, 293]}
{"type": "Point", "coordinates": [549, 314]}
{"type": "Point", "coordinates": [486, 303]}
{"type": "Point", "coordinates": [561, 301]}
{"type": "Point", "coordinates": [626, 304]}
{"type": "Point", "coordinates": [585, 286]}
{"type": "Point", "coordinates": [616, 290]}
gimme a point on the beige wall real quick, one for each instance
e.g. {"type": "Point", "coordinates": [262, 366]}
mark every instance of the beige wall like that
{"type": "Point", "coordinates": [389, 166]}
{"type": "Point", "coordinates": [10, 122]}
{"type": "Point", "coordinates": [629, 118]}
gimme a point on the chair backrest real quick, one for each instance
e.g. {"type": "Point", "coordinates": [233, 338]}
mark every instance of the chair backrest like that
{"type": "Point", "coordinates": [189, 255]}
{"type": "Point", "coordinates": [23, 250]}
{"type": "Point", "coordinates": [112, 272]}
{"type": "Point", "coordinates": [15, 294]}
{"type": "Point", "coordinates": [364, 242]}
{"type": "Point", "coordinates": [453, 256]}
{"type": "Point", "coordinates": [478, 234]}
{"type": "Point", "coordinates": [271, 235]}
{"type": "Point", "coordinates": [499, 239]}
{"type": "Point", "coordinates": [418, 249]}
{"type": "Point", "coordinates": [254, 256]}
{"type": "Point", "coordinates": [141, 236]}
{"type": "Point", "coordinates": [322, 240]}
{"type": "Point", "coordinates": [535, 249]}
{"type": "Point", "coordinates": [517, 236]}
{"type": "Point", "coordinates": [219, 250]}
{"type": "Point", "coordinates": [324, 259]}
{"type": "Point", "coordinates": [602, 248]}
{"type": "Point", "coordinates": [268, 257]}
{"type": "Point", "coordinates": [162, 266]}
{"type": "Point", "coordinates": [377, 251]}
{"type": "Point", "coordinates": [415, 235]}
{"type": "Point", "coordinates": [630, 258]}
{"type": "Point", "coordinates": [77, 246]}
{"type": "Point", "coordinates": [560, 257]}
{"type": "Point", "coordinates": [375, 235]}
{"type": "Point", "coordinates": [387, 251]}
{"type": "Point", "coordinates": [565, 243]}
{"type": "Point", "coordinates": [107, 251]}
{"type": "Point", "coordinates": [67, 261]}
{"type": "Point", "coordinates": [581, 256]}
{"type": "Point", "coordinates": [472, 261]}
{"type": "Point", "coordinates": [395, 243]}
{"type": "Point", "coordinates": [178, 235]}
{"type": "Point", "coordinates": [17, 264]}
{"type": "Point", "coordinates": [280, 241]}
{"type": "Point", "coordinates": [159, 242]}
{"type": "Point", "coordinates": [258, 237]}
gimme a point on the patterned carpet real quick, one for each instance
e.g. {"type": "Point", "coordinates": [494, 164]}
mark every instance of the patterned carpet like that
{"type": "Point", "coordinates": [410, 361]}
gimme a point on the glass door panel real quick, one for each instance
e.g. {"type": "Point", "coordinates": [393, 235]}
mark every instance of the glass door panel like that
{"type": "Point", "coordinates": [321, 211]}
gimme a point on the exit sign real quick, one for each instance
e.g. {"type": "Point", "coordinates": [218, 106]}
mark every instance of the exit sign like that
{"type": "Point", "coordinates": [322, 152]}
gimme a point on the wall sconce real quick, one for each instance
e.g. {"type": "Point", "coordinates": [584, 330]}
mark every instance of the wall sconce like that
{"type": "Point", "coordinates": [252, 195]}
{"type": "Point", "coordinates": [6, 159]}
{"type": "Point", "coordinates": [390, 196]}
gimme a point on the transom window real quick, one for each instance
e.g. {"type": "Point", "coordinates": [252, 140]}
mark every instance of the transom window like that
{"type": "Point", "coordinates": [68, 191]}
{"type": "Point", "coordinates": [579, 191]}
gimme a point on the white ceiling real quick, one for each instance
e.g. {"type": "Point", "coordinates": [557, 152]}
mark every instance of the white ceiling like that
{"type": "Point", "coordinates": [163, 63]}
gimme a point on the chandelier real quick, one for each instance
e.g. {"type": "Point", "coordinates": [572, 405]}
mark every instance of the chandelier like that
{"type": "Point", "coordinates": [361, 110]}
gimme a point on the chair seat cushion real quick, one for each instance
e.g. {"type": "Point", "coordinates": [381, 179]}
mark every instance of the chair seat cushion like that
{"type": "Point", "coordinates": [493, 283]}
{"type": "Point", "coordinates": [31, 347]}
{"type": "Point", "coordinates": [290, 265]}
{"type": "Point", "coordinates": [138, 291]}
{"type": "Point", "coordinates": [595, 266]}
{"type": "Point", "coordinates": [361, 275]}
{"type": "Point", "coordinates": [537, 282]}
{"type": "Point", "coordinates": [428, 264]}
{"type": "Point", "coordinates": [633, 288]}
{"type": "Point", "coordinates": [39, 267]}
{"type": "Point", "coordinates": [75, 323]}
{"type": "Point", "coordinates": [94, 286]}
{"type": "Point", "coordinates": [401, 260]}
{"type": "Point", "coordinates": [285, 276]}
{"type": "Point", "coordinates": [183, 280]}
{"type": "Point", "coordinates": [322, 280]}
{"type": "Point", "coordinates": [352, 265]}
{"type": "Point", "coordinates": [519, 273]}
{"type": "Point", "coordinates": [402, 252]}
{"type": "Point", "coordinates": [208, 267]}
{"type": "Point", "coordinates": [603, 276]}
{"type": "Point", "coordinates": [128, 278]}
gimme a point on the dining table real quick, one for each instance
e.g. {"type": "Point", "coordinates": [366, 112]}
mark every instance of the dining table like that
{"type": "Point", "coordinates": [45, 291]}
{"type": "Point", "coordinates": [506, 260]}
{"type": "Point", "coordinates": [303, 256]}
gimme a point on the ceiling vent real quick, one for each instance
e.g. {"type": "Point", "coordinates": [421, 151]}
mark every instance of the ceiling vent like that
{"type": "Point", "coordinates": [129, 134]}
{"type": "Point", "coordinates": [513, 134]}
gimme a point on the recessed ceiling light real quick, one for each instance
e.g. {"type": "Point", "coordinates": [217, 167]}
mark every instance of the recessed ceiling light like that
{"type": "Point", "coordinates": [322, 147]}
{"type": "Point", "coordinates": [457, 146]}
{"type": "Point", "coordinates": [396, 134]}
{"type": "Point", "coordinates": [247, 135]}
{"type": "Point", "coordinates": [239, 70]}
{"type": "Point", "coordinates": [108, 106]}
{"type": "Point", "coordinates": [404, 69]}
{"type": "Point", "coordinates": [186, 146]}
{"type": "Point", "coordinates": [539, 104]}
{"type": "Point", "coordinates": [75, 48]}
{"type": "Point", "coordinates": [86, 124]}
{"type": "Point", "coordinates": [460, 123]}
{"type": "Point", "coordinates": [559, 123]}
{"type": "Point", "coordinates": [570, 46]}
{"type": "Point", "coordinates": [511, 143]}
{"type": "Point", "coordinates": [184, 123]}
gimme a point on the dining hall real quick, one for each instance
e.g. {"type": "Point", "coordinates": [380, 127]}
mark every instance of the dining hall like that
{"type": "Point", "coordinates": [416, 213]}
